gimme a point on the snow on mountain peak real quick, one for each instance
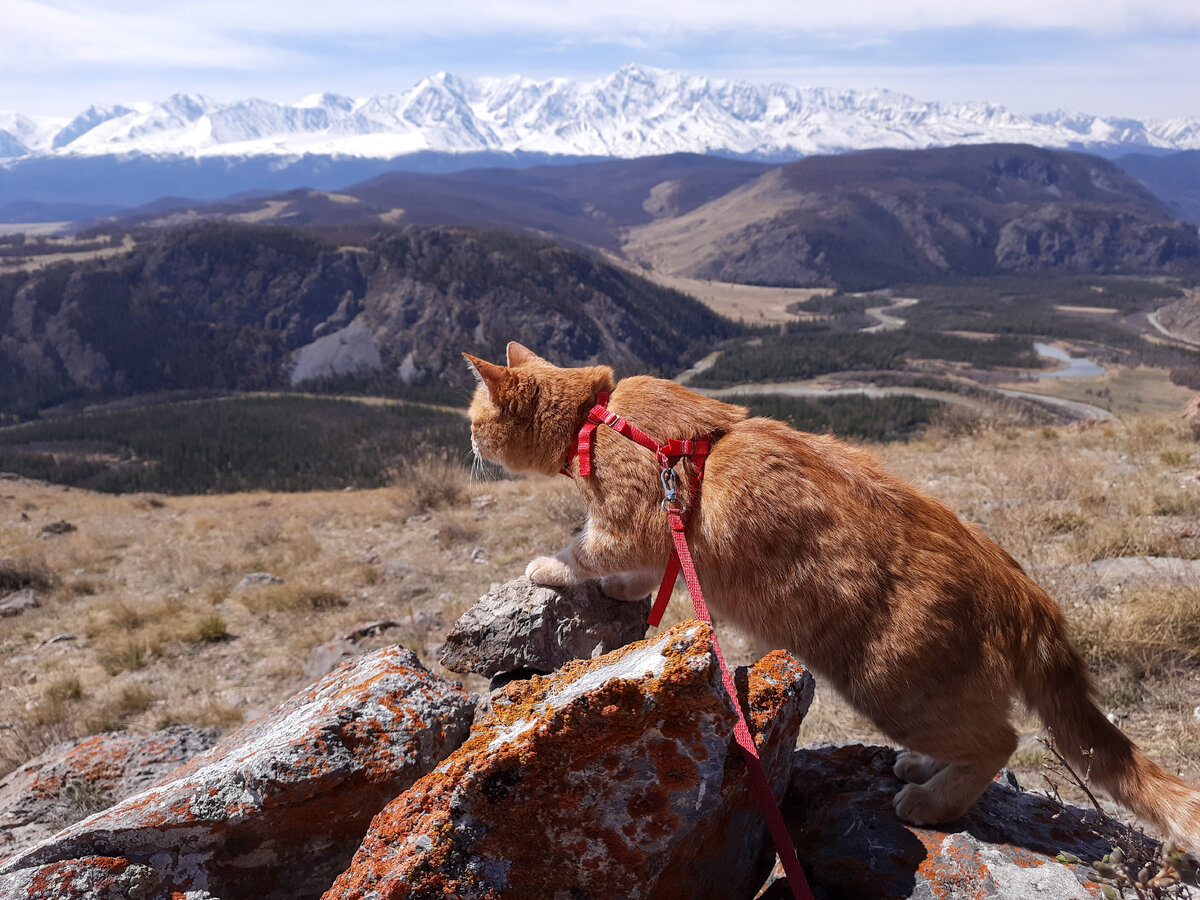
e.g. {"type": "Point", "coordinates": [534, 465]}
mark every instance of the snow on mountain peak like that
{"type": "Point", "coordinates": [635, 111]}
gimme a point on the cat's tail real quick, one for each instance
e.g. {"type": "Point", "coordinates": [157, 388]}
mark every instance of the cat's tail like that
{"type": "Point", "coordinates": [1055, 683]}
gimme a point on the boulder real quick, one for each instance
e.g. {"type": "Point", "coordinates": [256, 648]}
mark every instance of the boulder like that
{"type": "Point", "coordinates": [614, 777]}
{"type": "Point", "coordinates": [1010, 844]}
{"type": "Point", "coordinates": [93, 878]}
{"type": "Point", "coordinates": [522, 625]}
{"type": "Point", "coordinates": [75, 779]}
{"type": "Point", "coordinates": [276, 809]}
{"type": "Point", "coordinates": [18, 602]}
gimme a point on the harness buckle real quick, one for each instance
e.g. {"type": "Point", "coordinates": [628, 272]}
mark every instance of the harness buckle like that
{"type": "Point", "coordinates": [670, 482]}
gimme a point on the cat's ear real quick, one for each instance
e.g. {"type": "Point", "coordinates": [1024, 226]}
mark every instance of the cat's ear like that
{"type": "Point", "coordinates": [519, 355]}
{"type": "Point", "coordinates": [490, 375]}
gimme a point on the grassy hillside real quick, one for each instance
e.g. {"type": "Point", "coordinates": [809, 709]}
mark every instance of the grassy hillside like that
{"type": "Point", "coordinates": [276, 443]}
{"type": "Point", "coordinates": [147, 586]}
{"type": "Point", "coordinates": [303, 443]}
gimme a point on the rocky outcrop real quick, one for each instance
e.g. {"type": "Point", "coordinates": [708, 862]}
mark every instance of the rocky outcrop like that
{"type": "Point", "coordinates": [1011, 844]}
{"type": "Point", "coordinates": [277, 808]}
{"type": "Point", "coordinates": [75, 779]}
{"type": "Point", "coordinates": [615, 777]}
{"type": "Point", "coordinates": [18, 602]}
{"type": "Point", "coordinates": [524, 626]}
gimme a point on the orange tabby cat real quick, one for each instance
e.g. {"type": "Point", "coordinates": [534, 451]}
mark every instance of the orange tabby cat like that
{"type": "Point", "coordinates": [919, 620]}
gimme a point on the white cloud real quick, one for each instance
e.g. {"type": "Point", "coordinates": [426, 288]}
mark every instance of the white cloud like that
{"type": "Point", "coordinates": [218, 33]}
{"type": "Point", "coordinates": [40, 35]}
{"type": "Point", "coordinates": [69, 53]}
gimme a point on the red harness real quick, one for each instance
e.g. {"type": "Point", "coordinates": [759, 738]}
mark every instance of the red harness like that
{"type": "Point", "coordinates": [668, 455]}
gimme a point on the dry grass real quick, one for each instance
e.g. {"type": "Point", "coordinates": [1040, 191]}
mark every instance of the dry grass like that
{"type": "Point", "coordinates": [432, 482]}
{"type": "Point", "coordinates": [149, 589]}
{"type": "Point", "coordinates": [18, 573]}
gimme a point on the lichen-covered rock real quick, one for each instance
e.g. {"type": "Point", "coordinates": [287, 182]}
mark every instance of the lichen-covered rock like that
{"type": "Point", "coordinates": [615, 777]}
{"type": "Point", "coordinates": [75, 779]}
{"type": "Point", "coordinates": [92, 878]}
{"type": "Point", "coordinates": [522, 625]}
{"type": "Point", "coordinates": [839, 811]}
{"type": "Point", "coordinates": [276, 809]}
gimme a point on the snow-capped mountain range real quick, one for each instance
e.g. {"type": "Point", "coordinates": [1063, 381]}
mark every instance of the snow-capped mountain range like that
{"type": "Point", "coordinates": [636, 111]}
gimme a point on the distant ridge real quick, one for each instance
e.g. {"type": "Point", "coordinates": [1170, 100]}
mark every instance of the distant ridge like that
{"type": "Point", "coordinates": [636, 111]}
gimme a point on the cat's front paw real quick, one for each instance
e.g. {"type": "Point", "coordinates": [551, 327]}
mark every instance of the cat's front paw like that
{"type": "Point", "coordinates": [549, 571]}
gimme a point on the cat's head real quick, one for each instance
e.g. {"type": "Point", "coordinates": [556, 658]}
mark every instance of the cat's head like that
{"type": "Point", "coordinates": [525, 415]}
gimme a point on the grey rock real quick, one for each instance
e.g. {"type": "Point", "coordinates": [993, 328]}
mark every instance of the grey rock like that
{"type": "Point", "coordinates": [851, 844]}
{"type": "Point", "coordinates": [277, 808]}
{"type": "Point", "coordinates": [77, 778]}
{"type": "Point", "coordinates": [613, 777]}
{"type": "Point", "coordinates": [258, 579]}
{"type": "Point", "coordinates": [521, 625]}
{"type": "Point", "coordinates": [18, 602]}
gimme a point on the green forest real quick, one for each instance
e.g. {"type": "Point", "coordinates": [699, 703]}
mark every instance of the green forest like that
{"type": "Point", "coordinates": [275, 443]}
{"type": "Point", "coordinates": [847, 416]}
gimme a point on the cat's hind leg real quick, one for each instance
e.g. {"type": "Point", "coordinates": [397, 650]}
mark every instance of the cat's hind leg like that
{"type": "Point", "coordinates": [916, 768]}
{"type": "Point", "coordinates": [950, 791]}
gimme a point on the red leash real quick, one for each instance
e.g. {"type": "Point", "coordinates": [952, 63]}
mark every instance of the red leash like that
{"type": "Point", "coordinates": [681, 560]}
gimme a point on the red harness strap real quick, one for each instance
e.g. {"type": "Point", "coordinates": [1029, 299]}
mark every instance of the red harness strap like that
{"type": "Point", "coordinates": [681, 560]}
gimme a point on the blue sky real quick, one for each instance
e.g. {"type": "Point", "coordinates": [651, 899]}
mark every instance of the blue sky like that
{"type": "Point", "coordinates": [1109, 57]}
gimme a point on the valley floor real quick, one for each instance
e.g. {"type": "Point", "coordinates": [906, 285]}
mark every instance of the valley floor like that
{"type": "Point", "coordinates": [144, 619]}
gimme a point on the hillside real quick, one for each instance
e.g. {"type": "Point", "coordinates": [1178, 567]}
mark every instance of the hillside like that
{"type": "Point", "coordinates": [870, 219]}
{"type": "Point", "coordinates": [587, 203]}
{"type": "Point", "coordinates": [239, 307]}
{"type": "Point", "coordinates": [1174, 178]}
{"type": "Point", "coordinates": [144, 620]}
{"type": "Point", "coordinates": [855, 221]}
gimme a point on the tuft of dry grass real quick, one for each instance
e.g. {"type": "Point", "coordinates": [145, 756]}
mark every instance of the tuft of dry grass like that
{"type": "Point", "coordinates": [1151, 631]}
{"type": "Point", "coordinates": [63, 689]}
{"type": "Point", "coordinates": [210, 713]}
{"type": "Point", "coordinates": [435, 481]}
{"type": "Point", "coordinates": [292, 596]}
{"type": "Point", "coordinates": [127, 655]}
{"type": "Point", "coordinates": [20, 572]}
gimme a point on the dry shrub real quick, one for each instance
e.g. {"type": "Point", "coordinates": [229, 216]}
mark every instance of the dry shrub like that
{"type": "Point", "coordinates": [209, 714]}
{"type": "Point", "coordinates": [29, 736]}
{"type": "Point", "coordinates": [1127, 536]}
{"type": "Point", "coordinates": [133, 699]}
{"type": "Point", "coordinates": [1149, 631]}
{"type": "Point", "coordinates": [84, 798]}
{"type": "Point", "coordinates": [292, 595]}
{"type": "Point", "coordinates": [20, 572]}
{"type": "Point", "coordinates": [1184, 502]}
{"type": "Point", "coordinates": [81, 587]}
{"type": "Point", "coordinates": [431, 482]}
{"type": "Point", "coordinates": [208, 630]}
{"type": "Point", "coordinates": [454, 530]}
{"type": "Point", "coordinates": [62, 689]}
{"type": "Point", "coordinates": [126, 655]}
